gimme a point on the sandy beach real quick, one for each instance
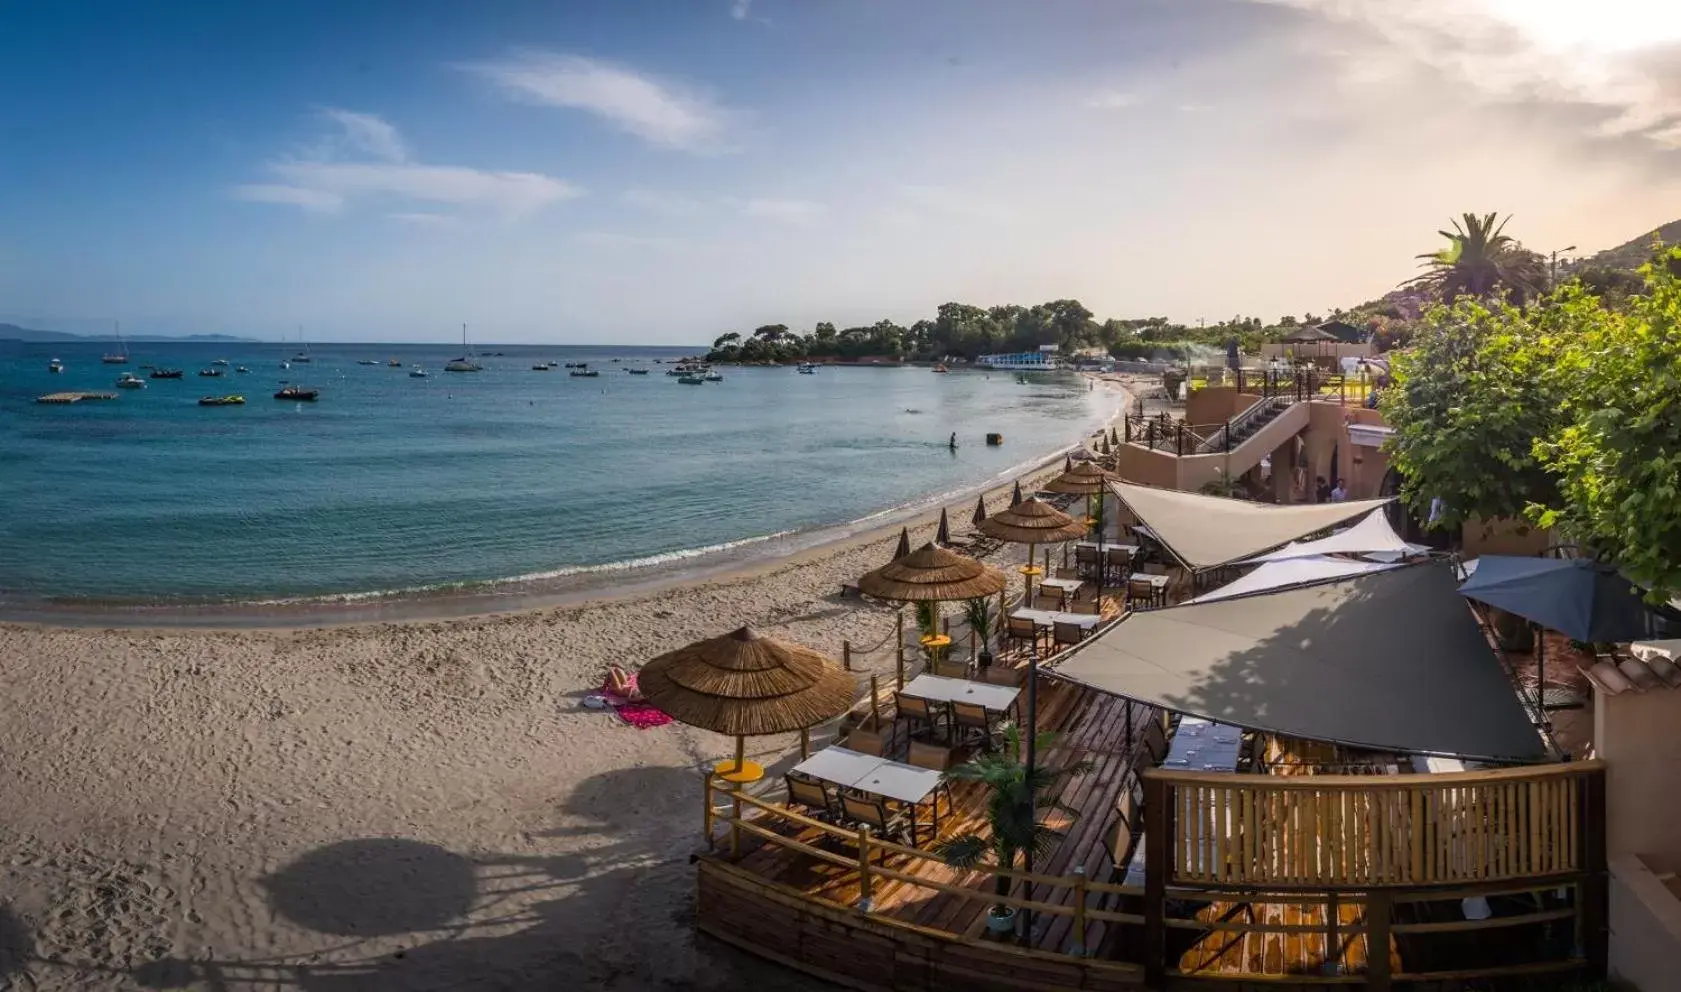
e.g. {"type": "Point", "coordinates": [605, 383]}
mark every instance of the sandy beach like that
{"type": "Point", "coordinates": [420, 805]}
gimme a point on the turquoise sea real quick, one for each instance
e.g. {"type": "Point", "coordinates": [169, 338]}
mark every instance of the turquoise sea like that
{"type": "Point", "coordinates": [392, 487]}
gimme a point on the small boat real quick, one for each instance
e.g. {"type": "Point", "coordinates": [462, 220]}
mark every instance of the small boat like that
{"type": "Point", "coordinates": [418, 373]}
{"type": "Point", "coordinates": [166, 373]}
{"type": "Point", "coordinates": [465, 363]}
{"type": "Point", "coordinates": [571, 365]}
{"type": "Point", "coordinates": [221, 401]}
{"type": "Point", "coordinates": [540, 367]}
{"type": "Point", "coordinates": [285, 365]}
{"type": "Point", "coordinates": [713, 377]}
{"type": "Point", "coordinates": [585, 373]}
{"type": "Point", "coordinates": [806, 368]}
{"type": "Point", "coordinates": [220, 361]}
{"type": "Point", "coordinates": [941, 368]}
{"type": "Point", "coordinates": [691, 380]}
{"type": "Point", "coordinates": [290, 392]}
{"type": "Point", "coordinates": [394, 364]}
{"type": "Point", "coordinates": [210, 372]}
{"type": "Point", "coordinates": [367, 361]}
{"type": "Point", "coordinates": [128, 380]}
{"type": "Point", "coordinates": [55, 366]}
{"type": "Point", "coordinates": [637, 371]}
{"type": "Point", "coordinates": [242, 370]}
{"type": "Point", "coordinates": [120, 356]}
{"type": "Point", "coordinates": [618, 359]}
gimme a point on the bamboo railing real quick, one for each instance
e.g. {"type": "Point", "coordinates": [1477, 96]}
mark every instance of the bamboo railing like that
{"type": "Point", "coordinates": [1355, 831]}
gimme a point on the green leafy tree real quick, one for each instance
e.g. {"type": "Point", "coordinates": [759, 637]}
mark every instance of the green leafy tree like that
{"type": "Point", "coordinates": [726, 338]}
{"type": "Point", "coordinates": [1467, 403]}
{"type": "Point", "coordinates": [1479, 260]}
{"type": "Point", "coordinates": [1619, 457]}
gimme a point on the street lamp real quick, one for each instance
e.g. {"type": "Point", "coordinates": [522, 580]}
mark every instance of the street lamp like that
{"type": "Point", "coordinates": [1552, 279]}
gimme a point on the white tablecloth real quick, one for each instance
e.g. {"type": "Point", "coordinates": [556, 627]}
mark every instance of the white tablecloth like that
{"type": "Point", "coordinates": [1045, 618]}
{"type": "Point", "coordinates": [938, 688]}
{"type": "Point", "coordinates": [1065, 585]}
{"type": "Point", "coordinates": [868, 773]}
{"type": "Point", "coordinates": [839, 765]}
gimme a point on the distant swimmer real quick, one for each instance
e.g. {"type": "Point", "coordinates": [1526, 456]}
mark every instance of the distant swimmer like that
{"type": "Point", "coordinates": [953, 441]}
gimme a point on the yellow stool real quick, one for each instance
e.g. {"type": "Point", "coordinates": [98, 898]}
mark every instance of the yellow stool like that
{"type": "Point", "coordinates": [744, 773]}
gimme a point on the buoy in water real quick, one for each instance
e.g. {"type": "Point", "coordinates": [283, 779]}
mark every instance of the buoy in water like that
{"type": "Point", "coordinates": [995, 439]}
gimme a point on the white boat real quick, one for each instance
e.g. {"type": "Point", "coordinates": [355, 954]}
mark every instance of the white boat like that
{"type": "Point", "coordinates": [285, 365]}
{"type": "Point", "coordinates": [55, 366]}
{"type": "Point", "coordinates": [713, 377]}
{"type": "Point", "coordinates": [128, 380]}
{"type": "Point", "coordinates": [120, 356]}
{"type": "Point", "coordinates": [465, 363]}
{"type": "Point", "coordinates": [220, 361]}
{"type": "Point", "coordinates": [806, 368]}
{"type": "Point", "coordinates": [418, 373]}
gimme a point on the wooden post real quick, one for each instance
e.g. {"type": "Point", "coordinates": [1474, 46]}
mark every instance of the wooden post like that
{"type": "Point", "coordinates": [1378, 914]}
{"type": "Point", "coordinates": [901, 652]}
{"type": "Point", "coordinates": [875, 704]}
{"type": "Point", "coordinates": [805, 743]}
{"type": "Point", "coordinates": [1595, 889]}
{"type": "Point", "coordinates": [864, 868]}
{"type": "Point", "coordinates": [972, 653]}
{"type": "Point", "coordinates": [706, 815]}
{"type": "Point", "coordinates": [1079, 911]}
{"type": "Point", "coordinates": [1158, 855]}
{"type": "Point", "coordinates": [735, 823]}
{"type": "Point", "coordinates": [1332, 965]}
{"type": "Point", "coordinates": [1001, 607]}
{"type": "Point", "coordinates": [846, 655]}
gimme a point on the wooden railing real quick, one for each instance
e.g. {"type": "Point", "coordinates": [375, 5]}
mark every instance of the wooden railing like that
{"type": "Point", "coordinates": [1355, 831]}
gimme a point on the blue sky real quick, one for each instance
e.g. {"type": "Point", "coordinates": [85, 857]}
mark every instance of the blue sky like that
{"type": "Point", "coordinates": [663, 171]}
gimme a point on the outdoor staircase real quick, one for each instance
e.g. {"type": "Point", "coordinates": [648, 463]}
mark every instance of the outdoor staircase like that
{"type": "Point", "coordinates": [1253, 426]}
{"type": "Point", "coordinates": [1244, 426]}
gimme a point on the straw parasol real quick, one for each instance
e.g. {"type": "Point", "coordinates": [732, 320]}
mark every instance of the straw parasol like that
{"type": "Point", "coordinates": [932, 574]}
{"type": "Point", "coordinates": [980, 511]}
{"type": "Point", "coordinates": [1032, 522]}
{"type": "Point", "coordinates": [744, 684]}
{"type": "Point", "coordinates": [1085, 479]}
{"type": "Point", "coordinates": [943, 536]}
{"type": "Point", "coordinates": [904, 547]}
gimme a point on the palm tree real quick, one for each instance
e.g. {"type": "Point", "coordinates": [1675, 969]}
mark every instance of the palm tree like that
{"type": "Point", "coordinates": [1012, 809]}
{"type": "Point", "coordinates": [1480, 259]}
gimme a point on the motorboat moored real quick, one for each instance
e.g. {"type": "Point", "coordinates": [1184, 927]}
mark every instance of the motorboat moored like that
{"type": "Point", "coordinates": [221, 401]}
{"type": "Point", "coordinates": [128, 380]}
{"type": "Point", "coordinates": [55, 366]}
{"type": "Point", "coordinates": [293, 392]}
{"type": "Point", "coordinates": [166, 373]}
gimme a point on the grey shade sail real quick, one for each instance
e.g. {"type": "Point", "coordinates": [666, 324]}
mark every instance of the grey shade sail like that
{"type": "Point", "coordinates": [1207, 531]}
{"type": "Point", "coordinates": [1392, 660]}
{"type": "Point", "coordinates": [1578, 597]}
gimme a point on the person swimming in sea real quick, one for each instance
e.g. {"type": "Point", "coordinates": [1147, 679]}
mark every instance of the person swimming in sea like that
{"type": "Point", "coordinates": [953, 442]}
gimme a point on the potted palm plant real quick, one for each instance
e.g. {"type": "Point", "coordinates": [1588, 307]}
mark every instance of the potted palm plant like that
{"type": "Point", "coordinates": [978, 614]}
{"type": "Point", "coordinates": [1016, 797]}
{"type": "Point", "coordinates": [927, 624]}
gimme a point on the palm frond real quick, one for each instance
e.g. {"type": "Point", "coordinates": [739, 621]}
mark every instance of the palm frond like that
{"type": "Point", "coordinates": [964, 851]}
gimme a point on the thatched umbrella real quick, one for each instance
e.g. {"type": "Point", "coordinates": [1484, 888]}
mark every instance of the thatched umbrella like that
{"type": "Point", "coordinates": [980, 511]}
{"type": "Point", "coordinates": [904, 547]}
{"type": "Point", "coordinates": [932, 574]}
{"type": "Point", "coordinates": [1015, 495]}
{"type": "Point", "coordinates": [1087, 479]}
{"type": "Point", "coordinates": [943, 536]}
{"type": "Point", "coordinates": [745, 685]}
{"type": "Point", "coordinates": [1032, 522]}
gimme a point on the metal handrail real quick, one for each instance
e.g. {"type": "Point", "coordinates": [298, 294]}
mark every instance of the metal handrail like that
{"type": "Point", "coordinates": [1221, 439]}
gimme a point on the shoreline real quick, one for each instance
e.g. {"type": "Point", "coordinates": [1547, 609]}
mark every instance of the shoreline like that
{"type": "Point", "coordinates": [744, 561]}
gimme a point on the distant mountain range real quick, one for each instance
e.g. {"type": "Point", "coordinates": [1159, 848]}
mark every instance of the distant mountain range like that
{"type": "Point", "coordinates": [12, 332]}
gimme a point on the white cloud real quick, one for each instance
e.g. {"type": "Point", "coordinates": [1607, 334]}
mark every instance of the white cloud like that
{"type": "Point", "coordinates": [615, 241]}
{"type": "Point", "coordinates": [369, 133]}
{"type": "Point", "coordinates": [421, 218]}
{"type": "Point", "coordinates": [787, 211]}
{"type": "Point", "coordinates": [318, 201]}
{"type": "Point", "coordinates": [1113, 100]}
{"type": "Point", "coordinates": [1582, 61]}
{"type": "Point", "coordinates": [670, 203]}
{"type": "Point", "coordinates": [659, 112]}
{"type": "Point", "coordinates": [739, 9]}
{"type": "Point", "coordinates": [325, 184]}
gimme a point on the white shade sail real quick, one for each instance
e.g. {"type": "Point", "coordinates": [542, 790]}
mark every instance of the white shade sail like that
{"type": "Point", "coordinates": [1291, 572]}
{"type": "Point", "coordinates": [1372, 535]}
{"type": "Point", "coordinates": [1207, 531]}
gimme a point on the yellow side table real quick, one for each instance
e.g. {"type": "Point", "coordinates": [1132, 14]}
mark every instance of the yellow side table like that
{"type": "Point", "coordinates": [738, 774]}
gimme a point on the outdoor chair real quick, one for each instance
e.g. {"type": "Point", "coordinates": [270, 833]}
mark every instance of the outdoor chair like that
{"type": "Point", "coordinates": [871, 811]}
{"type": "Point", "coordinates": [1001, 675]}
{"type": "Point", "coordinates": [951, 669]}
{"type": "Point", "coordinates": [1051, 601]}
{"type": "Point", "coordinates": [972, 717]}
{"type": "Point", "coordinates": [1086, 562]}
{"type": "Point", "coordinates": [935, 757]}
{"type": "Point", "coordinates": [1154, 743]}
{"type": "Point", "coordinates": [1118, 561]}
{"type": "Point", "coordinates": [1021, 630]}
{"type": "Point", "coordinates": [814, 796]}
{"type": "Point", "coordinates": [1087, 606]}
{"type": "Point", "coordinates": [1141, 594]}
{"type": "Point", "coordinates": [919, 711]}
{"type": "Point", "coordinates": [1065, 634]}
{"type": "Point", "coordinates": [866, 742]}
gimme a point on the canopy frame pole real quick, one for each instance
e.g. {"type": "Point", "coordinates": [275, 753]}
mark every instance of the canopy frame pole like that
{"type": "Point", "coordinates": [1031, 759]}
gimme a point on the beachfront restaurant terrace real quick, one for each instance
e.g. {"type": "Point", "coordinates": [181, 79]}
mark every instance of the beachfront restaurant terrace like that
{"type": "Point", "coordinates": [1331, 782]}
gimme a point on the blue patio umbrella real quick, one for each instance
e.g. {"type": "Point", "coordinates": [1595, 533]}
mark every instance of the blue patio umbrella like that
{"type": "Point", "coordinates": [1583, 599]}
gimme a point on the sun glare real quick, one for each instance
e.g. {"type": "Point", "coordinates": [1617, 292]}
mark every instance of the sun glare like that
{"type": "Point", "coordinates": [1601, 26]}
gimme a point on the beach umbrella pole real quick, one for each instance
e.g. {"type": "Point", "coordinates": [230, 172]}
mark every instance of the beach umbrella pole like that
{"type": "Point", "coordinates": [740, 753]}
{"type": "Point", "coordinates": [1031, 759]}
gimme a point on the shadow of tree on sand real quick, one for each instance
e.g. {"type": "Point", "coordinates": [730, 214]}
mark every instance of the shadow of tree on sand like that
{"type": "Point", "coordinates": [17, 946]}
{"type": "Point", "coordinates": [612, 912]}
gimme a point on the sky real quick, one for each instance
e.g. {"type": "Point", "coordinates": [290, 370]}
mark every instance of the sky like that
{"type": "Point", "coordinates": [648, 172]}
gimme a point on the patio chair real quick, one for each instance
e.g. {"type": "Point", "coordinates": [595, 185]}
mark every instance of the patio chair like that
{"type": "Point", "coordinates": [919, 711]}
{"type": "Point", "coordinates": [1051, 601]}
{"type": "Point", "coordinates": [1001, 675]}
{"type": "Point", "coordinates": [951, 669]}
{"type": "Point", "coordinates": [866, 742]}
{"type": "Point", "coordinates": [972, 717]}
{"type": "Point", "coordinates": [1153, 742]}
{"type": "Point", "coordinates": [1141, 594]}
{"type": "Point", "coordinates": [1066, 634]}
{"type": "Point", "coordinates": [1087, 606]}
{"type": "Point", "coordinates": [935, 757]}
{"type": "Point", "coordinates": [872, 812]}
{"type": "Point", "coordinates": [1118, 562]}
{"type": "Point", "coordinates": [1121, 838]}
{"type": "Point", "coordinates": [814, 796]}
{"type": "Point", "coordinates": [1086, 562]}
{"type": "Point", "coordinates": [1021, 630]}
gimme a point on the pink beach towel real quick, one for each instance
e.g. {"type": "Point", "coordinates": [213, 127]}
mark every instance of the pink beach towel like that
{"type": "Point", "coordinates": [642, 716]}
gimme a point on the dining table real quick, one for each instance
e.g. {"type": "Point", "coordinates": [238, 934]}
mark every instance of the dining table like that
{"type": "Point", "coordinates": [1197, 745]}
{"type": "Point", "coordinates": [943, 689]}
{"type": "Point", "coordinates": [1050, 618]}
{"type": "Point", "coordinates": [911, 785]}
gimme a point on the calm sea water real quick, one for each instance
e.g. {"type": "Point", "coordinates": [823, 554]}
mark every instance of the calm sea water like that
{"type": "Point", "coordinates": [390, 484]}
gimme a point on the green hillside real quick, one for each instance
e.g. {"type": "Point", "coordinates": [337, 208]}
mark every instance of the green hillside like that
{"type": "Point", "coordinates": [1633, 253]}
